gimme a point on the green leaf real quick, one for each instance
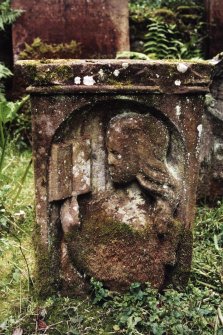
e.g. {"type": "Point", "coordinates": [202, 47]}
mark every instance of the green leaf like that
{"type": "Point", "coordinates": [4, 71]}
{"type": "Point", "coordinates": [9, 109]}
{"type": "Point", "coordinates": [116, 327]}
{"type": "Point", "coordinates": [216, 243]}
{"type": "Point", "coordinates": [7, 14]}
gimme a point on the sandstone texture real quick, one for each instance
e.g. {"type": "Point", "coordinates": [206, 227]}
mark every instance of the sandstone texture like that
{"type": "Point", "coordinates": [117, 153]}
{"type": "Point", "coordinates": [214, 12]}
{"type": "Point", "coordinates": [101, 26]}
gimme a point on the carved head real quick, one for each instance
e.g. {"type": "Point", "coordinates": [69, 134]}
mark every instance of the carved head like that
{"type": "Point", "coordinates": [134, 143]}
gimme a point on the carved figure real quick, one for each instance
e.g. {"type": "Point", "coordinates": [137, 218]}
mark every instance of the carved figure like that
{"type": "Point", "coordinates": [119, 181]}
{"type": "Point", "coordinates": [137, 149]}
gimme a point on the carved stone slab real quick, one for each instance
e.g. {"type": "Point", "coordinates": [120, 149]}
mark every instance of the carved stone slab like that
{"type": "Point", "coordinates": [116, 149]}
{"type": "Point", "coordinates": [214, 12]}
{"type": "Point", "coordinates": [210, 187]}
{"type": "Point", "coordinates": [101, 26]}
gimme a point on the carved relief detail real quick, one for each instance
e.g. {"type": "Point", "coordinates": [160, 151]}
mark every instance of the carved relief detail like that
{"type": "Point", "coordinates": [114, 179]}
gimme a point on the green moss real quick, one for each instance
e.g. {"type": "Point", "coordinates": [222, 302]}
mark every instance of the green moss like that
{"type": "Point", "coordinates": [95, 236]}
{"type": "Point", "coordinates": [117, 83]}
{"type": "Point", "coordinates": [46, 273]}
{"type": "Point", "coordinates": [59, 73]}
{"type": "Point", "coordinates": [41, 50]}
{"type": "Point", "coordinates": [118, 254]}
{"type": "Point", "coordinates": [31, 70]}
{"type": "Point", "coordinates": [103, 232]}
{"type": "Point", "coordinates": [181, 273]}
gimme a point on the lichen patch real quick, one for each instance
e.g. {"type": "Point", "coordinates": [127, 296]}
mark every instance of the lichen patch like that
{"type": "Point", "coordinates": [178, 110]}
{"type": "Point", "coordinates": [181, 67]}
{"type": "Point", "coordinates": [177, 82]}
{"type": "Point", "coordinates": [125, 65]}
{"type": "Point", "coordinates": [199, 129]}
{"type": "Point", "coordinates": [88, 80]}
{"type": "Point", "coordinates": [116, 73]}
{"type": "Point", "coordinates": [77, 80]}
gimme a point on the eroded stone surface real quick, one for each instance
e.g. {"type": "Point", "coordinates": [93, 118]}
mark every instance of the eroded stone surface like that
{"type": "Point", "coordinates": [116, 168]}
{"type": "Point", "coordinates": [211, 175]}
{"type": "Point", "coordinates": [214, 12]}
{"type": "Point", "coordinates": [101, 26]}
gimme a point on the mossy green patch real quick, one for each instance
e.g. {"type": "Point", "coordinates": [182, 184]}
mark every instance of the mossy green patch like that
{"type": "Point", "coordinates": [119, 254]}
{"type": "Point", "coordinates": [41, 50]}
{"type": "Point", "coordinates": [54, 75]}
{"type": "Point", "coordinates": [103, 231]}
{"type": "Point", "coordinates": [181, 272]}
{"type": "Point", "coordinates": [46, 272]}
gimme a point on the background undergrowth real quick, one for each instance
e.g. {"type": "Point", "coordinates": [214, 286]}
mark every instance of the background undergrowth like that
{"type": "Point", "coordinates": [168, 29]}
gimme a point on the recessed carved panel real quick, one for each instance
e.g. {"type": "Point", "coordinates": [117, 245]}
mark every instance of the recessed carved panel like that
{"type": "Point", "coordinates": [116, 175]}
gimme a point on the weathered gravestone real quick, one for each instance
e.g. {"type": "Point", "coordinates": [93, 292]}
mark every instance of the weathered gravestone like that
{"type": "Point", "coordinates": [210, 186]}
{"type": "Point", "coordinates": [214, 14]}
{"type": "Point", "coordinates": [116, 149]}
{"type": "Point", "coordinates": [101, 26]}
{"type": "Point", "coordinates": [211, 177]}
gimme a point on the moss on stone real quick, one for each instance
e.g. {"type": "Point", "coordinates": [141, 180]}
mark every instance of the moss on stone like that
{"type": "Point", "coordinates": [103, 231]}
{"type": "Point", "coordinates": [181, 273]}
{"type": "Point", "coordinates": [46, 276]}
{"type": "Point", "coordinates": [118, 254]}
{"type": "Point", "coordinates": [117, 83]}
{"type": "Point", "coordinates": [40, 50]}
{"type": "Point", "coordinates": [60, 74]}
{"type": "Point", "coordinates": [95, 234]}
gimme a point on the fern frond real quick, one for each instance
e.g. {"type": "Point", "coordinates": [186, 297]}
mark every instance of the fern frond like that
{"type": "Point", "coordinates": [4, 71]}
{"type": "Point", "coordinates": [161, 40]}
{"type": "Point", "coordinates": [7, 14]}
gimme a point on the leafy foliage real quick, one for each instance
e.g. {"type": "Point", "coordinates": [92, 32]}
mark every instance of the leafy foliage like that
{"type": "Point", "coordinates": [39, 50]}
{"type": "Point", "coordinates": [7, 14]}
{"type": "Point", "coordinates": [8, 112]}
{"type": "Point", "coordinates": [161, 41]}
{"type": "Point", "coordinates": [145, 4]}
{"type": "Point", "coordinates": [8, 109]}
{"type": "Point", "coordinates": [168, 29]}
{"type": "Point", "coordinates": [16, 217]}
{"type": "Point", "coordinates": [10, 119]}
{"type": "Point", "coordinates": [4, 71]}
{"type": "Point", "coordinates": [131, 55]}
{"type": "Point", "coordinates": [144, 311]}
{"type": "Point", "coordinates": [100, 293]}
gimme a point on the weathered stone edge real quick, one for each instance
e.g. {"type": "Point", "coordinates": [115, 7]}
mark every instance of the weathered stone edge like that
{"type": "Point", "coordinates": [68, 76]}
